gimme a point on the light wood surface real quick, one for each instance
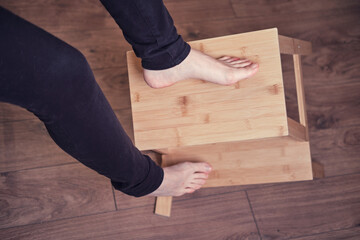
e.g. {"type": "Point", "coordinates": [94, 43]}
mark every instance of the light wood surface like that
{"type": "Point", "coordinates": [294, 46]}
{"type": "Point", "coordinates": [240, 130]}
{"type": "Point", "coordinates": [249, 162]}
{"type": "Point", "coordinates": [300, 93]}
{"type": "Point", "coordinates": [296, 130]}
{"type": "Point", "coordinates": [163, 206]}
{"type": "Point", "coordinates": [194, 112]}
{"type": "Point", "coordinates": [163, 203]}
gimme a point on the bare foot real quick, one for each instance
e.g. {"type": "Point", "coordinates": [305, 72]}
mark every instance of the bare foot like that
{"type": "Point", "coordinates": [183, 178]}
{"type": "Point", "coordinates": [225, 70]}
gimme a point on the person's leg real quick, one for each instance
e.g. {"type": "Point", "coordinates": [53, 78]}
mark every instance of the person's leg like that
{"type": "Point", "coordinates": [166, 58]}
{"type": "Point", "coordinates": [54, 81]}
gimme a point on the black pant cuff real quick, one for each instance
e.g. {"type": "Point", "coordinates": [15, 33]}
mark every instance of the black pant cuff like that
{"type": "Point", "coordinates": [173, 56]}
{"type": "Point", "coordinates": [152, 182]}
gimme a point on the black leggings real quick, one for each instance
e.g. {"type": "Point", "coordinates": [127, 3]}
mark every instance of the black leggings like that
{"type": "Point", "coordinates": [54, 81]}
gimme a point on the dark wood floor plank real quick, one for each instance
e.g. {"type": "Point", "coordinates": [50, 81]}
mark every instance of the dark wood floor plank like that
{"type": "Point", "coordinates": [217, 217]}
{"type": "Point", "coordinates": [345, 234]}
{"type": "Point", "coordinates": [189, 10]}
{"type": "Point", "coordinates": [67, 16]}
{"type": "Point", "coordinates": [10, 112]}
{"type": "Point", "coordinates": [103, 48]}
{"type": "Point", "coordinates": [250, 8]}
{"type": "Point", "coordinates": [115, 85]}
{"type": "Point", "coordinates": [332, 106]}
{"type": "Point", "coordinates": [337, 149]}
{"type": "Point", "coordinates": [44, 194]}
{"type": "Point", "coordinates": [321, 28]}
{"type": "Point", "coordinates": [126, 202]}
{"type": "Point", "coordinates": [90, 14]}
{"type": "Point", "coordinates": [298, 209]}
{"type": "Point", "coordinates": [26, 144]}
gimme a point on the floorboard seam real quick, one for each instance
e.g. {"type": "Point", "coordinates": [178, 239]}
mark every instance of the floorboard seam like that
{"type": "Point", "coordinates": [26, 169]}
{"type": "Point", "coordinates": [252, 212]}
{"type": "Point", "coordinates": [60, 219]}
{"type": "Point", "coordinates": [18, 120]}
{"type": "Point", "coordinates": [232, 8]}
{"type": "Point", "coordinates": [210, 195]}
{"type": "Point", "coordinates": [112, 189]}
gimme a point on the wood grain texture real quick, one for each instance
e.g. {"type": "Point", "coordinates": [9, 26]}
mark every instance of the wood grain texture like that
{"type": "Point", "coordinates": [70, 15]}
{"type": "Point", "coordinates": [325, 25]}
{"type": "Point", "coordinates": [348, 234]}
{"type": "Point", "coordinates": [337, 149]}
{"type": "Point", "coordinates": [305, 208]}
{"type": "Point", "coordinates": [22, 146]}
{"type": "Point", "coordinates": [195, 112]}
{"type": "Point", "coordinates": [46, 194]}
{"type": "Point", "coordinates": [249, 8]}
{"type": "Point", "coordinates": [103, 48]}
{"type": "Point", "coordinates": [318, 170]}
{"type": "Point", "coordinates": [114, 83]}
{"type": "Point", "coordinates": [249, 162]}
{"type": "Point", "coordinates": [182, 11]}
{"type": "Point", "coordinates": [163, 206]}
{"type": "Point", "coordinates": [225, 216]}
{"type": "Point", "coordinates": [294, 46]}
{"type": "Point", "coordinates": [301, 94]}
{"type": "Point", "coordinates": [331, 76]}
{"type": "Point", "coordinates": [10, 112]}
{"type": "Point", "coordinates": [124, 201]}
{"type": "Point", "coordinates": [297, 131]}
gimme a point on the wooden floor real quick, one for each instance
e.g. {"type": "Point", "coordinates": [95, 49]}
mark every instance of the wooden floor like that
{"type": "Point", "coordinates": [45, 194]}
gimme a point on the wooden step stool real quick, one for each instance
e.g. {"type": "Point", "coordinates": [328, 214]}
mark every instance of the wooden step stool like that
{"type": "Point", "coordinates": [242, 130]}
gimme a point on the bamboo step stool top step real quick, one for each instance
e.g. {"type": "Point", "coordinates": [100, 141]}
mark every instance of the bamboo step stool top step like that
{"type": "Point", "coordinates": [242, 130]}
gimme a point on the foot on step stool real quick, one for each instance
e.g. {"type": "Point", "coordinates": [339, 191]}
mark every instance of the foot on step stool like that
{"type": "Point", "coordinates": [186, 177]}
{"type": "Point", "coordinates": [197, 65]}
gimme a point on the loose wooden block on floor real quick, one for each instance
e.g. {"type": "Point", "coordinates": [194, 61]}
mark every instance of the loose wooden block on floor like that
{"type": "Point", "coordinates": [242, 130]}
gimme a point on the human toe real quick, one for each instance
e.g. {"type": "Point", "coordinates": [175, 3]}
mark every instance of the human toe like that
{"type": "Point", "coordinates": [189, 190]}
{"type": "Point", "coordinates": [199, 181]}
{"type": "Point", "coordinates": [201, 176]}
{"type": "Point", "coordinates": [241, 64]}
{"type": "Point", "coordinates": [224, 58]}
{"type": "Point", "coordinates": [202, 167]}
